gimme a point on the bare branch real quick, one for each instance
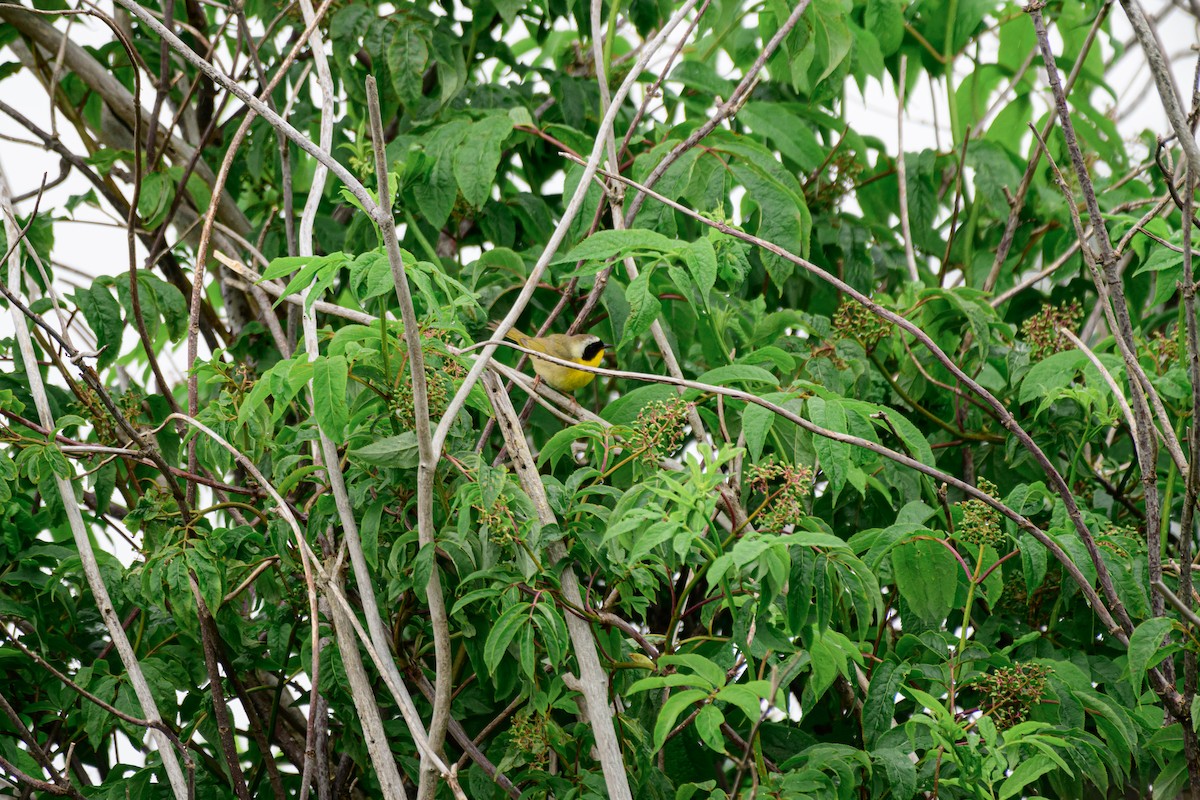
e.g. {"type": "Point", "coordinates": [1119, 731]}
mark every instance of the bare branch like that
{"type": "Point", "coordinates": [1106, 258]}
{"type": "Point", "coordinates": [428, 452]}
{"type": "Point", "coordinates": [902, 174]}
{"type": "Point", "coordinates": [593, 681]}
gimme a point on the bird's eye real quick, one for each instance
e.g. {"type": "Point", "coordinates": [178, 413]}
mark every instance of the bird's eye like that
{"type": "Point", "coordinates": [592, 350]}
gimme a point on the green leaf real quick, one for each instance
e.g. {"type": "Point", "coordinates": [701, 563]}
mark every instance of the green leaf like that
{"type": "Point", "coordinates": [407, 56]}
{"type": "Point", "coordinates": [995, 170]}
{"type": "Point", "coordinates": [671, 710]}
{"type": "Point", "coordinates": [787, 131]}
{"type": "Point", "coordinates": [1170, 782]}
{"type": "Point", "coordinates": [1051, 373]}
{"type": "Point", "coordinates": [701, 261]}
{"type": "Point", "coordinates": [832, 36]}
{"type": "Point", "coordinates": [708, 725]}
{"type": "Point", "coordinates": [158, 190]}
{"type": "Point", "coordinates": [371, 275]}
{"type": "Point", "coordinates": [1145, 643]}
{"type": "Point", "coordinates": [1160, 259]}
{"type": "Point", "coordinates": [711, 676]}
{"type": "Point", "coordinates": [644, 308]}
{"type": "Point", "coordinates": [783, 218]}
{"type": "Point", "coordinates": [885, 19]}
{"type": "Point", "coordinates": [972, 304]}
{"type": "Point", "coordinates": [256, 398]}
{"type": "Point", "coordinates": [609, 244]}
{"type": "Point", "coordinates": [168, 301]}
{"type": "Point", "coordinates": [833, 455]}
{"type": "Point", "coordinates": [200, 559]}
{"type": "Point", "coordinates": [329, 395]}
{"type": "Point", "coordinates": [900, 770]}
{"type": "Point", "coordinates": [756, 425]}
{"type": "Point", "coordinates": [293, 478]}
{"type": "Point", "coordinates": [369, 532]}
{"type": "Point", "coordinates": [103, 315]}
{"type": "Point", "coordinates": [285, 265]}
{"type": "Point", "coordinates": [915, 442]}
{"type": "Point", "coordinates": [476, 161]}
{"type": "Point", "coordinates": [827, 662]}
{"type": "Point", "coordinates": [745, 698]}
{"type": "Point", "coordinates": [435, 193]}
{"type": "Point", "coordinates": [1026, 772]}
{"type": "Point", "coordinates": [394, 451]}
{"type": "Point", "coordinates": [803, 538]}
{"type": "Point", "coordinates": [879, 708]}
{"type": "Point", "coordinates": [514, 618]}
{"type": "Point", "coordinates": [1033, 561]}
{"type": "Point", "coordinates": [106, 158]}
{"type": "Point", "coordinates": [737, 373]}
{"type": "Point", "coordinates": [927, 577]}
{"type": "Point", "coordinates": [106, 481]}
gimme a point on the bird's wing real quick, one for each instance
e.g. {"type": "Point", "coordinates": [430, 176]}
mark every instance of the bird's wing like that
{"type": "Point", "coordinates": [538, 345]}
{"type": "Point", "coordinates": [543, 345]}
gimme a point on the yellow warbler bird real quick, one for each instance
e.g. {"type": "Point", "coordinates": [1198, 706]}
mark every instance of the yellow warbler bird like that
{"type": "Point", "coordinates": [581, 348]}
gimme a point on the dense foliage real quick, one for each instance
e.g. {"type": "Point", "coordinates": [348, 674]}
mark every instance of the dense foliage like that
{"type": "Point", "coordinates": [900, 548]}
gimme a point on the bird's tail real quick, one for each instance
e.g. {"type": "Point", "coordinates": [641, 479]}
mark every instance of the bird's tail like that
{"type": "Point", "coordinates": [512, 333]}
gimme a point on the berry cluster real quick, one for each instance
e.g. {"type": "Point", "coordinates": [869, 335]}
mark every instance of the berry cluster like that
{"type": "Point", "coordinates": [1010, 692]}
{"type": "Point", "coordinates": [980, 522]}
{"type": "Point", "coordinates": [442, 374]}
{"type": "Point", "coordinates": [529, 735]}
{"type": "Point", "coordinates": [659, 429]}
{"type": "Point", "coordinates": [855, 321]}
{"type": "Point", "coordinates": [784, 487]}
{"type": "Point", "coordinates": [497, 520]}
{"type": "Point", "coordinates": [1042, 333]}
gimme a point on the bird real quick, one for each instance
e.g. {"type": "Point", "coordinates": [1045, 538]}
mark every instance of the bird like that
{"type": "Point", "coordinates": [581, 348]}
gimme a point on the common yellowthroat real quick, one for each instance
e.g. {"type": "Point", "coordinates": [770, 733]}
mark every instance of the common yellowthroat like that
{"type": "Point", "coordinates": [582, 348]}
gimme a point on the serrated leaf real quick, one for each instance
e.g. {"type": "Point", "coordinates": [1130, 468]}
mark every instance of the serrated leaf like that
{"type": "Point", "coordinates": [708, 725]}
{"type": "Point", "coordinates": [745, 698]}
{"type": "Point", "coordinates": [201, 561]}
{"type": "Point", "coordinates": [701, 260]}
{"type": "Point", "coordinates": [885, 19]}
{"type": "Point", "coordinates": [927, 577]}
{"type": "Point", "coordinates": [879, 708]}
{"type": "Point", "coordinates": [154, 200]}
{"type": "Point", "coordinates": [394, 451]}
{"type": "Point", "coordinates": [514, 618]}
{"type": "Point", "coordinates": [900, 769]}
{"type": "Point", "coordinates": [711, 676]}
{"type": "Point", "coordinates": [103, 315]}
{"type": "Point", "coordinates": [476, 161]}
{"type": "Point", "coordinates": [1026, 772]}
{"type": "Point", "coordinates": [644, 308]}
{"type": "Point", "coordinates": [1144, 644]}
{"type": "Point", "coordinates": [1056, 371]}
{"type": "Point", "coordinates": [369, 532]}
{"type": "Point", "coordinates": [756, 425]}
{"type": "Point", "coordinates": [407, 55]}
{"type": "Point", "coordinates": [834, 455]}
{"type": "Point", "coordinates": [670, 712]}
{"type": "Point", "coordinates": [737, 373]}
{"type": "Point", "coordinates": [608, 244]}
{"type": "Point", "coordinates": [329, 394]}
